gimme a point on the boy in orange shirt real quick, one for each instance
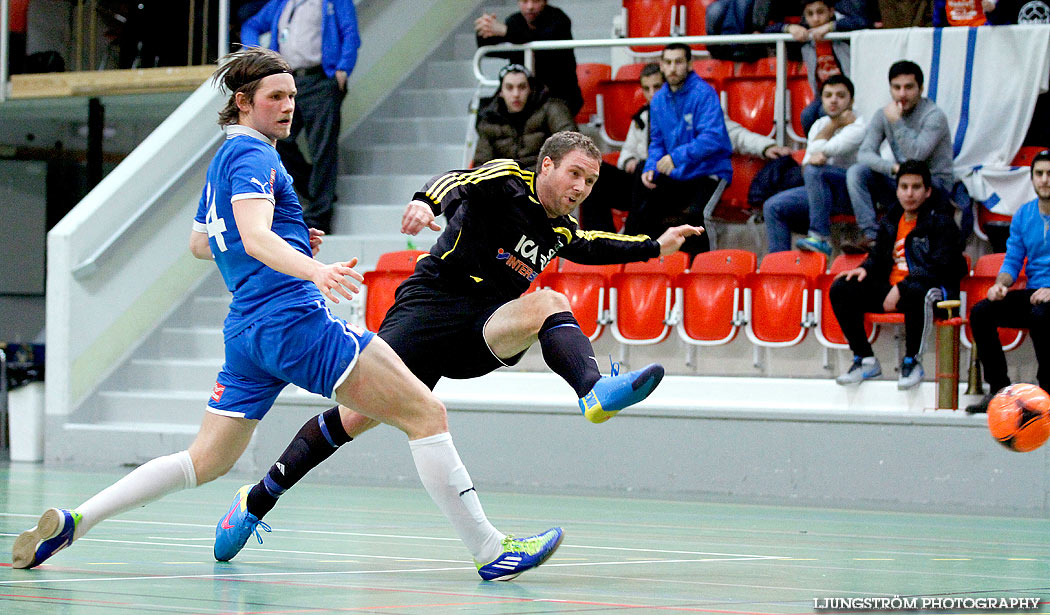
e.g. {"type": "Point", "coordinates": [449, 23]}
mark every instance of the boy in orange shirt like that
{"type": "Point", "coordinates": [915, 263]}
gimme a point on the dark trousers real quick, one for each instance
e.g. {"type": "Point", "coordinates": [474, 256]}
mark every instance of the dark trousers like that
{"type": "Point", "coordinates": [851, 299]}
{"type": "Point", "coordinates": [1013, 310]}
{"type": "Point", "coordinates": [672, 203]}
{"type": "Point", "coordinates": [615, 189]}
{"type": "Point", "coordinates": [317, 106]}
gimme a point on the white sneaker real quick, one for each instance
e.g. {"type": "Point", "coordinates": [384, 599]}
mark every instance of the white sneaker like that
{"type": "Point", "coordinates": [862, 369]}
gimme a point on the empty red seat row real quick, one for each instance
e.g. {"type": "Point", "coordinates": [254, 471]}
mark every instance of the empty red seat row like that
{"type": "Point", "coordinates": [707, 301]}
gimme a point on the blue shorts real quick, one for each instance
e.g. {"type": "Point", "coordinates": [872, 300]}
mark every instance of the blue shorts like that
{"type": "Point", "coordinates": [304, 344]}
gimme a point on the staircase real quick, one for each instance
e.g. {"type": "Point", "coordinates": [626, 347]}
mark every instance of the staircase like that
{"type": "Point", "coordinates": [153, 403]}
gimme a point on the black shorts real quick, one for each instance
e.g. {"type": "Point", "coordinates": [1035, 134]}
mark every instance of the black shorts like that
{"type": "Point", "coordinates": [439, 334]}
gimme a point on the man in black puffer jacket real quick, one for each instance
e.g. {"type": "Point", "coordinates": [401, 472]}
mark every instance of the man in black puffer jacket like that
{"type": "Point", "coordinates": [519, 119]}
{"type": "Point", "coordinates": [915, 263]}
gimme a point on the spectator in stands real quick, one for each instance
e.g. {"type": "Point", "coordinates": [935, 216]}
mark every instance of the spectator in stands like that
{"type": "Point", "coordinates": [916, 129]}
{"type": "Point", "coordinates": [906, 13]}
{"type": "Point", "coordinates": [915, 263]}
{"type": "Point", "coordinates": [823, 58]}
{"type": "Point", "coordinates": [966, 13]}
{"type": "Point", "coordinates": [319, 40]}
{"type": "Point", "coordinates": [635, 151]}
{"type": "Point", "coordinates": [635, 147]}
{"type": "Point", "coordinates": [537, 21]}
{"type": "Point", "coordinates": [849, 15]}
{"type": "Point", "coordinates": [1028, 308]}
{"type": "Point", "coordinates": [733, 17]}
{"type": "Point", "coordinates": [519, 119]}
{"type": "Point", "coordinates": [689, 148]}
{"type": "Point", "coordinates": [833, 143]}
{"type": "Point", "coordinates": [992, 12]}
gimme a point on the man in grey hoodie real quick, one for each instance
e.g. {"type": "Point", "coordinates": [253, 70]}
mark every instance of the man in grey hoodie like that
{"type": "Point", "coordinates": [915, 129]}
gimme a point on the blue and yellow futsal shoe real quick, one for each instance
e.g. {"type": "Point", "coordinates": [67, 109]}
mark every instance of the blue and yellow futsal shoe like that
{"type": "Point", "coordinates": [521, 554]}
{"type": "Point", "coordinates": [615, 392]}
{"type": "Point", "coordinates": [234, 529]}
{"type": "Point", "coordinates": [53, 532]}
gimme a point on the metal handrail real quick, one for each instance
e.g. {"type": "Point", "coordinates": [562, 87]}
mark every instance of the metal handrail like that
{"type": "Point", "coordinates": [90, 265]}
{"type": "Point", "coordinates": [722, 39]}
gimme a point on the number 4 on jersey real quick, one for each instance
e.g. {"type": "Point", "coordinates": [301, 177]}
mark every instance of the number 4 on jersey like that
{"type": "Point", "coordinates": [213, 222]}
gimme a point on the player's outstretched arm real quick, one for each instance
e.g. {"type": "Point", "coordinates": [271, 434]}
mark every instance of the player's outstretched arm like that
{"type": "Point", "coordinates": [671, 239]}
{"type": "Point", "coordinates": [418, 215]}
{"type": "Point", "coordinates": [254, 218]}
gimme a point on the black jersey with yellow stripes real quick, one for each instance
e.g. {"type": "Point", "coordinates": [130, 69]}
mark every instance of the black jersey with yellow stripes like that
{"type": "Point", "coordinates": [498, 237]}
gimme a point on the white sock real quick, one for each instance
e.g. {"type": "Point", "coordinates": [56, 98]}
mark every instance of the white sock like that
{"type": "Point", "coordinates": [146, 483]}
{"type": "Point", "coordinates": [449, 485]}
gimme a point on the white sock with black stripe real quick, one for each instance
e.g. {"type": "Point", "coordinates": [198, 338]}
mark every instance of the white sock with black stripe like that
{"type": "Point", "coordinates": [449, 485]}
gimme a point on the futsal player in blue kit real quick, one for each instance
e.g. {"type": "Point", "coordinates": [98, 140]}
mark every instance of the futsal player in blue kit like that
{"type": "Point", "coordinates": [280, 331]}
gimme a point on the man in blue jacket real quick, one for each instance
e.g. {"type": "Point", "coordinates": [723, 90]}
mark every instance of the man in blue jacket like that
{"type": "Point", "coordinates": [1027, 308]}
{"type": "Point", "coordinates": [319, 39]}
{"type": "Point", "coordinates": [688, 164]}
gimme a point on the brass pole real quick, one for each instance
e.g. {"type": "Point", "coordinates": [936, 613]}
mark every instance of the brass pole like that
{"type": "Point", "coordinates": [189, 38]}
{"type": "Point", "coordinates": [79, 36]}
{"type": "Point", "coordinates": [204, 33]}
{"type": "Point", "coordinates": [92, 34]}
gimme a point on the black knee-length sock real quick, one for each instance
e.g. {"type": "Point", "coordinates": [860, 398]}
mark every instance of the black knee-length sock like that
{"type": "Point", "coordinates": [568, 352]}
{"type": "Point", "coordinates": [321, 436]}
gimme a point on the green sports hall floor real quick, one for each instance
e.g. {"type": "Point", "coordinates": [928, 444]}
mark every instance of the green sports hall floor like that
{"type": "Point", "coordinates": [345, 549]}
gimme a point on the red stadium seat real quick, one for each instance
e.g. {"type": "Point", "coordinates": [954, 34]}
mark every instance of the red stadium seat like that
{"type": "Point", "coordinates": [641, 299]}
{"type": "Point", "coordinates": [750, 101]}
{"type": "Point", "coordinates": [585, 287]}
{"type": "Point", "coordinates": [975, 288]}
{"type": "Point", "coordinates": [713, 71]}
{"type": "Point", "coordinates": [799, 96]}
{"type": "Point", "coordinates": [709, 297]}
{"type": "Point", "coordinates": [619, 101]}
{"type": "Point", "coordinates": [630, 72]}
{"type": "Point", "coordinates": [766, 67]}
{"type": "Point", "coordinates": [390, 271]}
{"type": "Point", "coordinates": [1025, 155]}
{"type": "Point", "coordinates": [733, 206]}
{"type": "Point", "coordinates": [589, 74]}
{"type": "Point", "coordinates": [777, 298]}
{"type": "Point", "coordinates": [695, 18]}
{"type": "Point", "coordinates": [650, 18]}
{"type": "Point", "coordinates": [828, 331]}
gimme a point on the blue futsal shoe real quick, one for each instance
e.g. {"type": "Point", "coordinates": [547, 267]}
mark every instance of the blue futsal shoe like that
{"type": "Point", "coordinates": [521, 554]}
{"type": "Point", "coordinates": [615, 392]}
{"type": "Point", "coordinates": [53, 532]}
{"type": "Point", "coordinates": [234, 529]}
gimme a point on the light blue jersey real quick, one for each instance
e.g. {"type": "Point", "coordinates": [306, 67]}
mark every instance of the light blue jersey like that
{"type": "Point", "coordinates": [247, 166]}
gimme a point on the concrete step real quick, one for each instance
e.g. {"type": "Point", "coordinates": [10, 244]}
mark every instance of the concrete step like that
{"type": "Point", "coordinates": [419, 102]}
{"type": "Point", "coordinates": [167, 406]}
{"type": "Point", "coordinates": [361, 219]}
{"type": "Point", "coordinates": [113, 444]}
{"type": "Point", "coordinates": [442, 74]}
{"type": "Point", "coordinates": [185, 343]}
{"type": "Point", "coordinates": [448, 130]}
{"type": "Point", "coordinates": [191, 374]}
{"type": "Point", "coordinates": [395, 187]}
{"type": "Point", "coordinates": [203, 310]}
{"type": "Point", "coordinates": [415, 159]}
